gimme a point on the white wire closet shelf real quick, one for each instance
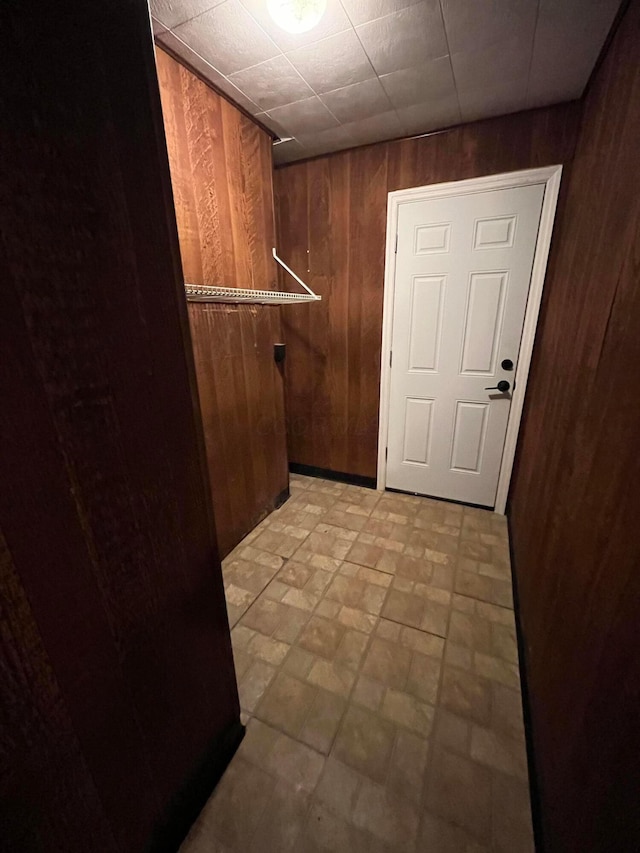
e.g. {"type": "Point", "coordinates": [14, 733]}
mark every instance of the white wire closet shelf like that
{"type": "Point", "coordinates": [211, 293]}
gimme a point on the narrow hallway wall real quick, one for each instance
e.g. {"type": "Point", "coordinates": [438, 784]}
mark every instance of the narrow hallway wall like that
{"type": "Point", "coordinates": [222, 185]}
{"type": "Point", "coordinates": [575, 501]}
{"type": "Point", "coordinates": [117, 686]}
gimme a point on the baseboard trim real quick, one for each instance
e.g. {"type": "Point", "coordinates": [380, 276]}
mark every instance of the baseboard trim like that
{"type": "Point", "coordinates": [337, 476]}
{"type": "Point", "coordinates": [523, 657]}
{"type": "Point", "coordinates": [189, 801]}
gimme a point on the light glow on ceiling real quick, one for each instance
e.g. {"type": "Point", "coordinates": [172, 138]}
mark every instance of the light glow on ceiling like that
{"type": "Point", "coordinates": [297, 16]}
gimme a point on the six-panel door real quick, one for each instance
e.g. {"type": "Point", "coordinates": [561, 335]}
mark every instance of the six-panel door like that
{"type": "Point", "coordinates": [463, 270]}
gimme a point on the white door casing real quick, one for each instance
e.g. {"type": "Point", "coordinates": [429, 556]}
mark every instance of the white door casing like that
{"type": "Point", "coordinates": [466, 278]}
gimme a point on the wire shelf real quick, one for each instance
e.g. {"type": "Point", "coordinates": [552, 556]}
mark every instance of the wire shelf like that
{"type": "Point", "coordinates": [235, 295]}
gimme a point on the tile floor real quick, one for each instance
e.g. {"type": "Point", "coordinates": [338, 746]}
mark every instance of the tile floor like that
{"type": "Point", "coordinates": [376, 657]}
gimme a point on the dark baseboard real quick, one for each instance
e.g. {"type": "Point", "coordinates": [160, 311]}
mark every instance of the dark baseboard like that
{"type": "Point", "coordinates": [328, 474]}
{"type": "Point", "coordinates": [523, 656]}
{"type": "Point", "coordinates": [282, 498]}
{"type": "Point", "coordinates": [189, 801]}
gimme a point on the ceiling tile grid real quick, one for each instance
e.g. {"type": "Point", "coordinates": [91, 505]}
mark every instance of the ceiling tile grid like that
{"type": "Point", "coordinates": [372, 70]}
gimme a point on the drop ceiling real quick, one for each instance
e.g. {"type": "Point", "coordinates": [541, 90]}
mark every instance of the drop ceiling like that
{"type": "Point", "coordinates": [380, 69]}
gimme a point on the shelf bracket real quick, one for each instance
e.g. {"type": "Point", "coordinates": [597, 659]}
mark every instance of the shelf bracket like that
{"type": "Point", "coordinates": [293, 275]}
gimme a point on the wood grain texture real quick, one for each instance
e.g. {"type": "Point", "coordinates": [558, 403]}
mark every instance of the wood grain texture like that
{"type": "Point", "coordinates": [575, 503]}
{"type": "Point", "coordinates": [115, 660]}
{"type": "Point", "coordinates": [331, 219]}
{"type": "Point", "coordinates": [223, 191]}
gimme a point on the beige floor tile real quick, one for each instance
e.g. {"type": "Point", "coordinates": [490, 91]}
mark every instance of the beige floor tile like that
{"type": "Point", "coordinates": [499, 752]}
{"type": "Point", "coordinates": [327, 545]}
{"type": "Point", "coordinates": [352, 648]}
{"type": "Point", "coordinates": [322, 721]}
{"type": "Point", "coordinates": [332, 676]}
{"type": "Point", "coordinates": [503, 643]}
{"type": "Point", "coordinates": [252, 554]}
{"type": "Point", "coordinates": [512, 829]}
{"type": "Point", "coordinates": [295, 574]}
{"type": "Point", "coordinates": [368, 693]}
{"type": "Point", "coordinates": [497, 670]}
{"type": "Point", "coordinates": [452, 732]}
{"type": "Point", "coordinates": [439, 836]}
{"type": "Point", "coordinates": [466, 694]}
{"type": "Point", "coordinates": [338, 788]}
{"type": "Point", "coordinates": [286, 704]}
{"type": "Point", "coordinates": [357, 619]}
{"type": "Point", "coordinates": [424, 678]}
{"type": "Point", "coordinates": [405, 710]}
{"type": "Point", "coordinates": [253, 684]}
{"type": "Point", "coordinates": [485, 588]}
{"type": "Point", "coordinates": [321, 636]}
{"type": "Point", "coordinates": [346, 590]}
{"type": "Point", "coordinates": [282, 820]}
{"type": "Point", "coordinates": [234, 811]}
{"type": "Point", "coordinates": [326, 832]}
{"type": "Point", "coordinates": [298, 662]}
{"type": "Point", "coordinates": [365, 742]}
{"type": "Point", "coordinates": [263, 616]}
{"type": "Point", "coordinates": [257, 743]}
{"type": "Point", "coordinates": [343, 660]}
{"type": "Point", "coordinates": [470, 630]}
{"type": "Point", "coordinates": [296, 764]}
{"type": "Point", "coordinates": [293, 621]}
{"type": "Point", "coordinates": [408, 765]}
{"type": "Point", "coordinates": [506, 711]}
{"type": "Point", "coordinates": [267, 649]}
{"type": "Point", "coordinates": [390, 817]}
{"type": "Point", "coordinates": [459, 791]}
{"type": "Point", "coordinates": [387, 662]}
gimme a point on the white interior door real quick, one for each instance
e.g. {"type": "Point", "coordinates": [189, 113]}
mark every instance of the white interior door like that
{"type": "Point", "coordinates": [463, 270]}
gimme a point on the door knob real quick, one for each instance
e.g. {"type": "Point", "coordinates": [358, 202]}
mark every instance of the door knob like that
{"type": "Point", "coordinates": [502, 386]}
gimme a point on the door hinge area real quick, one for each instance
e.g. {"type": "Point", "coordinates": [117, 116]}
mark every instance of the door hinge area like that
{"type": "Point", "coordinates": [390, 357]}
{"type": "Point", "coordinates": [396, 249]}
{"type": "Point", "coordinates": [386, 453]}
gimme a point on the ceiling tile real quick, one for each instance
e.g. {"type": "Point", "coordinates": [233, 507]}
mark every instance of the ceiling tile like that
{"type": "Point", "coordinates": [333, 21]}
{"type": "Point", "coordinates": [500, 99]}
{"type": "Point", "coordinates": [200, 65]}
{"type": "Point", "coordinates": [287, 152]}
{"type": "Point", "coordinates": [431, 81]}
{"type": "Point", "coordinates": [333, 62]}
{"type": "Point", "coordinates": [568, 40]}
{"type": "Point", "coordinates": [434, 114]}
{"type": "Point", "coordinates": [409, 37]}
{"type": "Point", "coordinates": [473, 25]}
{"type": "Point", "coordinates": [174, 12]}
{"type": "Point", "coordinates": [493, 64]}
{"type": "Point", "coordinates": [360, 100]}
{"type": "Point", "coordinates": [228, 38]}
{"type": "Point", "coordinates": [333, 139]}
{"type": "Point", "coordinates": [375, 129]}
{"type": "Point", "coordinates": [361, 11]}
{"type": "Point", "coordinates": [303, 117]}
{"type": "Point", "coordinates": [272, 83]}
{"type": "Point", "coordinates": [157, 27]}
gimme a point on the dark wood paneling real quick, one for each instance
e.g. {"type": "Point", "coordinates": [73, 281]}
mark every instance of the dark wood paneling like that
{"type": "Point", "coordinates": [575, 502]}
{"type": "Point", "coordinates": [222, 182]}
{"type": "Point", "coordinates": [115, 660]}
{"type": "Point", "coordinates": [331, 216]}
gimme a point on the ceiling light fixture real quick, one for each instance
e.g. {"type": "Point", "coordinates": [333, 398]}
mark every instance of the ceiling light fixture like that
{"type": "Point", "coordinates": [297, 16]}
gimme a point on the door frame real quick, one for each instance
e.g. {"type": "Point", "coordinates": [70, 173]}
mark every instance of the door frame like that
{"type": "Point", "coordinates": [548, 175]}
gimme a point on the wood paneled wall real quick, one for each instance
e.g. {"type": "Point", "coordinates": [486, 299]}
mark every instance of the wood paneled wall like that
{"type": "Point", "coordinates": [222, 185]}
{"type": "Point", "coordinates": [116, 674]}
{"type": "Point", "coordinates": [331, 217]}
{"type": "Point", "coordinates": [575, 500]}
